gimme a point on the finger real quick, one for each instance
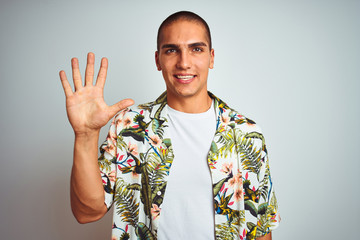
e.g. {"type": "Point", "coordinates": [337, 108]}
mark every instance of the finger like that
{"type": "Point", "coordinates": [101, 78]}
{"type": "Point", "coordinates": [89, 72]}
{"type": "Point", "coordinates": [76, 73]}
{"type": "Point", "coordinates": [65, 83]}
{"type": "Point", "coordinates": [120, 106]}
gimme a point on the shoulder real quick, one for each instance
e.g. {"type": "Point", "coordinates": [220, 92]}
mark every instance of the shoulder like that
{"type": "Point", "coordinates": [145, 109]}
{"type": "Point", "coordinates": [246, 124]}
{"type": "Point", "coordinates": [235, 119]}
{"type": "Point", "coordinates": [138, 117]}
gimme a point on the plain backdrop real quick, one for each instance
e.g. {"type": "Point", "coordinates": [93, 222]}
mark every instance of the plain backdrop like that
{"type": "Point", "coordinates": [292, 66]}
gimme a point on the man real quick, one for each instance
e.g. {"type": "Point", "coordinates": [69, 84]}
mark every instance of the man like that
{"type": "Point", "coordinates": [209, 160]}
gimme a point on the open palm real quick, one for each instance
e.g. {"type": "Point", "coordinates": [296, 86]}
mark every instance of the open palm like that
{"type": "Point", "coordinates": [86, 108]}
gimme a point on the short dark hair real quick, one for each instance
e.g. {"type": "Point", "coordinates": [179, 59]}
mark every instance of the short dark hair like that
{"type": "Point", "coordinates": [184, 15]}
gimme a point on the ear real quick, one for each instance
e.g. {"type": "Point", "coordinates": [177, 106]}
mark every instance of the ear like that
{"type": "Point", "coordinates": [212, 55]}
{"type": "Point", "coordinates": [157, 61]}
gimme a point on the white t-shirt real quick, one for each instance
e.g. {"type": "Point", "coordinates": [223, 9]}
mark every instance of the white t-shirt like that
{"type": "Point", "coordinates": [187, 211]}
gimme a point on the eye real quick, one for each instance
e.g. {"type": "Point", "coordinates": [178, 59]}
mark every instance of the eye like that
{"type": "Point", "coordinates": [198, 49]}
{"type": "Point", "coordinates": [171, 50]}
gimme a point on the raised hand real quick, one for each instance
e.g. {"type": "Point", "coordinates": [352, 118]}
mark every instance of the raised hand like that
{"type": "Point", "coordinates": [86, 108]}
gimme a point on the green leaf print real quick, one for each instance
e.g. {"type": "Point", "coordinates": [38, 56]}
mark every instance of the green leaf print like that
{"type": "Point", "coordinates": [249, 205]}
{"type": "Point", "coordinates": [134, 186]}
{"type": "Point", "coordinates": [217, 186]}
{"type": "Point", "coordinates": [143, 233]}
{"type": "Point", "coordinates": [256, 135]}
{"type": "Point", "coordinates": [251, 234]}
{"type": "Point", "coordinates": [104, 164]}
{"type": "Point", "coordinates": [126, 205]}
{"type": "Point", "coordinates": [250, 156]}
{"type": "Point", "coordinates": [125, 236]}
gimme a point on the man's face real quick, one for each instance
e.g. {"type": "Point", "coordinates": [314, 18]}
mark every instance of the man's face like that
{"type": "Point", "coordinates": [184, 58]}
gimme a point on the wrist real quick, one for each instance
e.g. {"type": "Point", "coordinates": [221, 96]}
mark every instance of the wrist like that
{"type": "Point", "coordinates": [87, 134]}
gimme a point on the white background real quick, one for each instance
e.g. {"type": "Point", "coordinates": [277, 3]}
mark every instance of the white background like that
{"type": "Point", "coordinates": [292, 66]}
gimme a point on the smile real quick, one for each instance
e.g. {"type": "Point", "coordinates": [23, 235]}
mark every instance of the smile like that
{"type": "Point", "coordinates": [185, 78]}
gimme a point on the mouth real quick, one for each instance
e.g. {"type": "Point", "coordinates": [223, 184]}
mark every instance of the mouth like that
{"type": "Point", "coordinates": [184, 78]}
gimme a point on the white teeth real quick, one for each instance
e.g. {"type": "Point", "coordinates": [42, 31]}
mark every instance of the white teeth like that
{"type": "Point", "coordinates": [185, 77]}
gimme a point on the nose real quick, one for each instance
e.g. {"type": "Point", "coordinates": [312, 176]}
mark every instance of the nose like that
{"type": "Point", "coordinates": [184, 60]}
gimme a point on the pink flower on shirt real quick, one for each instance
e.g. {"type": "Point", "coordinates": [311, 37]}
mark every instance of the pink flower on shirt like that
{"type": "Point", "coordinates": [226, 167]}
{"type": "Point", "coordinates": [110, 149]}
{"type": "Point", "coordinates": [119, 118]}
{"type": "Point", "coordinates": [225, 119]}
{"type": "Point", "coordinates": [112, 176]}
{"type": "Point", "coordinates": [133, 149]}
{"type": "Point", "coordinates": [127, 122]}
{"type": "Point", "coordinates": [111, 137]}
{"type": "Point", "coordinates": [236, 180]}
{"type": "Point", "coordinates": [155, 140]}
{"type": "Point", "coordinates": [118, 123]}
{"type": "Point", "coordinates": [238, 193]}
{"type": "Point", "coordinates": [155, 211]}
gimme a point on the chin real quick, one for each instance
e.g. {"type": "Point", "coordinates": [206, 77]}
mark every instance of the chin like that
{"type": "Point", "coordinates": [186, 93]}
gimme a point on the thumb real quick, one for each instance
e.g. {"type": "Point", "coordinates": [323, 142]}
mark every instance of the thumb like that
{"type": "Point", "coordinates": [120, 106]}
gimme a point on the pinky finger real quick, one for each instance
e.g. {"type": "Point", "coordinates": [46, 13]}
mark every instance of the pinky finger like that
{"type": "Point", "coordinates": [65, 83]}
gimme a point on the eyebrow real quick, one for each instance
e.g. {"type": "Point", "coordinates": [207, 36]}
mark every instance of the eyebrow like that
{"type": "Point", "coordinates": [197, 44]}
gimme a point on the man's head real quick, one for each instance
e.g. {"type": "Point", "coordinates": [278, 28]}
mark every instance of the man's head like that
{"type": "Point", "coordinates": [184, 56]}
{"type": "Point", "coordinates": [184, 15]}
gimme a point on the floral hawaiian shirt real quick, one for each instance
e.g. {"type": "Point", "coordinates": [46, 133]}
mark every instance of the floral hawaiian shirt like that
{"type": "Point", "coordinates": [136, 159]}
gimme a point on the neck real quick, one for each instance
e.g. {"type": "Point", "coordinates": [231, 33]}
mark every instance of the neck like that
{"type": "Point", "coordinates": [193, 104]}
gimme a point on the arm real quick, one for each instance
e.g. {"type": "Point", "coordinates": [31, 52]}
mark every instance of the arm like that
{"type": "Point", "coordinates": [87, 113]}
{"type": "Point", "coordinates": [266, 237]}
{"type": "Point", "coordinates": [86, 188]}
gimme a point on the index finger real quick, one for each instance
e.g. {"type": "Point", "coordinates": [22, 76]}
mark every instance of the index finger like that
{"type": "Point", "coordinates": [100, 81]}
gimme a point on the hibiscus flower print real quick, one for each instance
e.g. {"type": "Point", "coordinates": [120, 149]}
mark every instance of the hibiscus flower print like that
{"type": "Point", "coordinates": [155, 140]}
{"type": "Point", "coordinates": [226, 167]}
{"type": "Point", "coordinates": [225, 119]}
{"type": "Point", "coordinates": [112, 176]}
{"type": "Point", "coordinates": [155, 211]}
{"type": "Point", "coordinates": [119, 118]}
{"type": "Point", "coordinates": [133, 149]}
{"type": "Point", "coordinates": [127, 122]}
{"type": "Point", "coordinates": [111, 137]}
{"type": "Point", "coordinates": [236, 180]}
{"type": "Point", "coordinates": [119, 123]}
{"type": "Point", "coordinates": [110, 149]}
{"type": "Point", "coordinates": [238, 193]}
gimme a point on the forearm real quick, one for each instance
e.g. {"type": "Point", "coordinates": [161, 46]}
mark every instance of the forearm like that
{"type": "Point", "coordinates": [87, 192]}
{"type": "Point", "coordinates": [266, 237]}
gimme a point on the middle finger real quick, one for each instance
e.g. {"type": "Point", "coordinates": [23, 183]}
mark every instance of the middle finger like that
{"type": "Point", "coordinates": [76, 73]}
{"type": "Point", "coordinates": [89, 72]}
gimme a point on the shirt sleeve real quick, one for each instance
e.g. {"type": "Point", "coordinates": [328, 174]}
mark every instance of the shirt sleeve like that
{"type": "Point", "coordinates": [268, 217]}
{"type": "Point", "coordinates": [107, 164]}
